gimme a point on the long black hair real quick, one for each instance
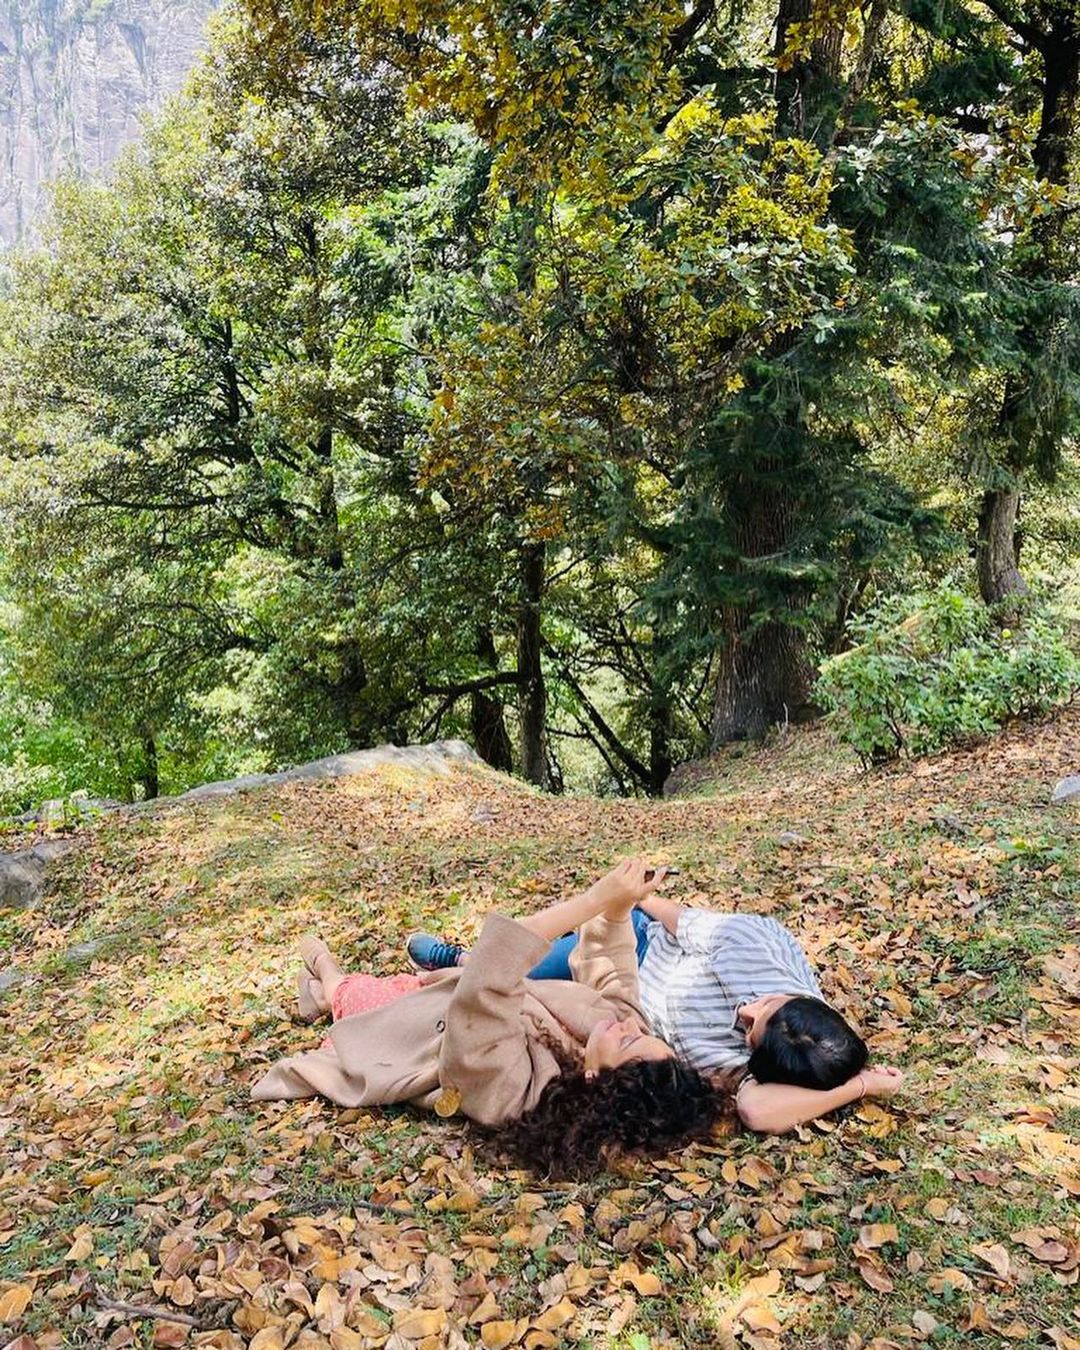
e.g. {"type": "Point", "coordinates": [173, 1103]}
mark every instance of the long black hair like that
{"type": "Point", "coordinates": [808, 1044]}
{"type": "Point", "coordinates": [579, 1126]}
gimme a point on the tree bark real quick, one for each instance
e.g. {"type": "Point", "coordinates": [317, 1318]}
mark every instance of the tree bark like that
{"type": "Point", "coordinates": [660, 761]}
{"type": "Point", "coordinates": [998, 556]}
{"type": "Point", "coordinates": [149, 779]}
{"type": "Point", "coordinates": [532, 702]}
{"type": "Point", "coordinates": [807, 91]}
{"type": "Point", "coordinates": [765, 678]}
{"type": "Point", "coordinates": [488, 725]}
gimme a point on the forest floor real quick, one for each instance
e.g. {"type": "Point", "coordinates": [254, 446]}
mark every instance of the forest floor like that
{"type": "Point", "coordinates": [939, 900]}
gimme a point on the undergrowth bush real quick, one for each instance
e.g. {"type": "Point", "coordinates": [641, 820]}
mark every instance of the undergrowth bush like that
{"type": "Point", "coordinates": [933, 670]}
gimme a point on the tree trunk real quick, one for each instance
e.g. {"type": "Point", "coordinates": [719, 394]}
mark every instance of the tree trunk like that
{"type": "Point", "coordinates": [149, 779]}
{"type": "Point", "coordinates": [765, 674]}
{"type": "Point", "coordinates": [348, 692]}
{"type": "Point", "coordinates": [808, 91]}
{"type": "Point", "coordinates": [765, 678]}
{"type": "Point", "coordinates": [660, 762]}
{"type": "Point", "coordinates": [533, 694]}
{"type": "Point", "coordinates": [488, 725]}
{"type": "Point", "coordinates": [998, 556]}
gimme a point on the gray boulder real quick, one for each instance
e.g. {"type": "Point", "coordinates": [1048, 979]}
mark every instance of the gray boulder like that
{"type": "Point", "coordinates": [1068, 790]}
{"type": "Point", "coordinates": [438, 757]}
{"type": "Point", "coordinates": [22, 879]}
{"type": "Point", "coordinates": [22, 874]}
{"type": "Point", "coordinates": [77, 809]}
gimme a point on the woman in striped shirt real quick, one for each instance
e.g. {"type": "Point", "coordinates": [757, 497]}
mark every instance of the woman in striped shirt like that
{"type": "Point", "coordinates": [735, 997]}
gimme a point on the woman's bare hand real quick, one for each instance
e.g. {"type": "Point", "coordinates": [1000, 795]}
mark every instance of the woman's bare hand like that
{"type": "Point", "coordinates": [626, 885]}
{"type": "Point", "coordinates": [882, 1080]}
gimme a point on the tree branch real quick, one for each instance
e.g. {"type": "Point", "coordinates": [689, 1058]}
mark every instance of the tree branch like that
{"type": "Point", "coordinates": [1033, 36]}
{"type": "Point", "coordinates": [614, 744]}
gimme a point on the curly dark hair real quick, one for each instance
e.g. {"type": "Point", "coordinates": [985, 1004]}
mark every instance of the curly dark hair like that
{"type": "Point", "coordinates": [808, 1044]}
{"type": "Point", "coordinates": [580, 1126]}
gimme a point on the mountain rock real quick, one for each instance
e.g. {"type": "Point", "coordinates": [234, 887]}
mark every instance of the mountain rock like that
{"type": "Point", "coordinates": [76, 77]}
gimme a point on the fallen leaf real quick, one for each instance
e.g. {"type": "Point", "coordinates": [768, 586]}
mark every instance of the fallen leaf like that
{"type": "Point", "coordinates": [83, 1245]}
{"type": "Point", "coordinates": [558, 1316]}
{"type": "Point", "coordinates": [496, 1335]}
{"type": "Point", "coordinates": [417, 1323]}
{"type": "Point", "coordinates": [875, 1278]}
{"type": "Point", "coordinates": [267, 1338]}
{"type": "Point", "coordinates": [1014, 1331]}
{"type": "Point", "coordinates": [949, 1278]}
{"type": "Point", "coordinates": [763, 1286]}
{"type": "Point", "coordinates": [168, 1335]}
{"type": "Point", "coordinates": [1050, 1252]}
{"type": "Point", "coordinates": [995, 1256]}
{"type": "Point", "coordinates": [759, 1318]}
{"type": "Point", "coordinates": [1062, 1339]}
{"type": "Point", "coordinates": [878, 1234]}
{"type": "Point", "coordinates": [15, 1302]}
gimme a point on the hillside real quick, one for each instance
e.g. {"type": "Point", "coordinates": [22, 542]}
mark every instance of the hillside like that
{"type": "Point", "coordinates": [76, 77]}
{"type": "Point", "coordinates": [156, 980]}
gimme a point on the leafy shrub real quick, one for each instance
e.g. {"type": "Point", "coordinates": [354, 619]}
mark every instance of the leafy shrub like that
{"type": "Point", "coordinates": [934, 670]}
{"type": "Point", "coordinates": [23, 784]}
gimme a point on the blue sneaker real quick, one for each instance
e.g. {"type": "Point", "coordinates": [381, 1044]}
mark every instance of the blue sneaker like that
{"type": "Point", "coordinates": [428, 953]}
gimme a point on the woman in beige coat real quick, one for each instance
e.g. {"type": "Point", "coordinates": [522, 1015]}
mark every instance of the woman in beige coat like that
{"type": "Point", "coordinates": [568, 1072]}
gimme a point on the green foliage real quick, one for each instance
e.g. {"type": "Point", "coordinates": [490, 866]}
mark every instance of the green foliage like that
{"type": "Point", "coordinates": [935, 670]}
{"type": "Point", "coordinates": [720, 335]}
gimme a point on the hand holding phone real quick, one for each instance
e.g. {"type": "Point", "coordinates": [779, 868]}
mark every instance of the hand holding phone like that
{"type": "Point", "coordinates": [668, 871]}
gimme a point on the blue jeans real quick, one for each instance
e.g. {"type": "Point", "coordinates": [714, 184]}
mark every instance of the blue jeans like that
{"type": "Point", "coordinates": [556, 965]}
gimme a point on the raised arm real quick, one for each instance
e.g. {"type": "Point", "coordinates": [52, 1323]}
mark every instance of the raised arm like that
{"type": "Point", "coordinates": [614, 895]}
{"type": "Point", "coordinates": [665, 911]}
{"type": "Point", "coordinates": [605, 958]}
{"type": "Point", "coordinates": [484, 1051]}
{"type": "Point", "coordinates": [775, 1108]}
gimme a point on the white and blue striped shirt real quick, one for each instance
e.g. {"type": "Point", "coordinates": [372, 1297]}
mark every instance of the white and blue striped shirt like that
{"type": "Point", "coordinates": [694, 981]}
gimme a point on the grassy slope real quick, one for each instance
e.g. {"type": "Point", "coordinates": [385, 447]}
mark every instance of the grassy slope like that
{"type": "Point", "coordinates": [134, 1166]}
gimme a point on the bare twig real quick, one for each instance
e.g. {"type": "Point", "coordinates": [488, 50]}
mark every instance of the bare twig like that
{"type": "Point", "coordinates": [145, 1310]}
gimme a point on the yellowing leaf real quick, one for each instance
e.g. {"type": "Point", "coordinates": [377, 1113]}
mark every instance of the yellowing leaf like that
{"type": "Point", "coordinates": [763, 1286]}
{"type": "Point", "coordinates": [496, 1335]}
{"type": "Point", "coordinates": [83, 1245]}
{"type": "Point", "coordinates": [555, 1317]}
{"type": "Point", "coordinates": [995, 1256]}
{"type": "Point", "coordinates": [15, 1302]}
{"type": "Point", "coordinates": [877, 1234]}
{"type": "Point", "coordinates": [416, 1323]}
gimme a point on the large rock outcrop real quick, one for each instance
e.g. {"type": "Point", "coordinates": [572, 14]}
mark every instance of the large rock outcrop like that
{"type": "Point", "coordinates": [76, 76]}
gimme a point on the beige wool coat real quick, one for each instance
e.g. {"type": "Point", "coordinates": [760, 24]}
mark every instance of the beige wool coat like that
{"type": "Point", "coordinates": [483, 1029]}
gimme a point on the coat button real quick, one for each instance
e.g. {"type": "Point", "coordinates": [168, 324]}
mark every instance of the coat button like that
{"type": "Point", "coordinates": [440, 1025]}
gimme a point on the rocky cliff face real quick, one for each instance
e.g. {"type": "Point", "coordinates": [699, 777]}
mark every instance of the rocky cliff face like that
{"type": "Point", "coordinates": [75, 77]}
